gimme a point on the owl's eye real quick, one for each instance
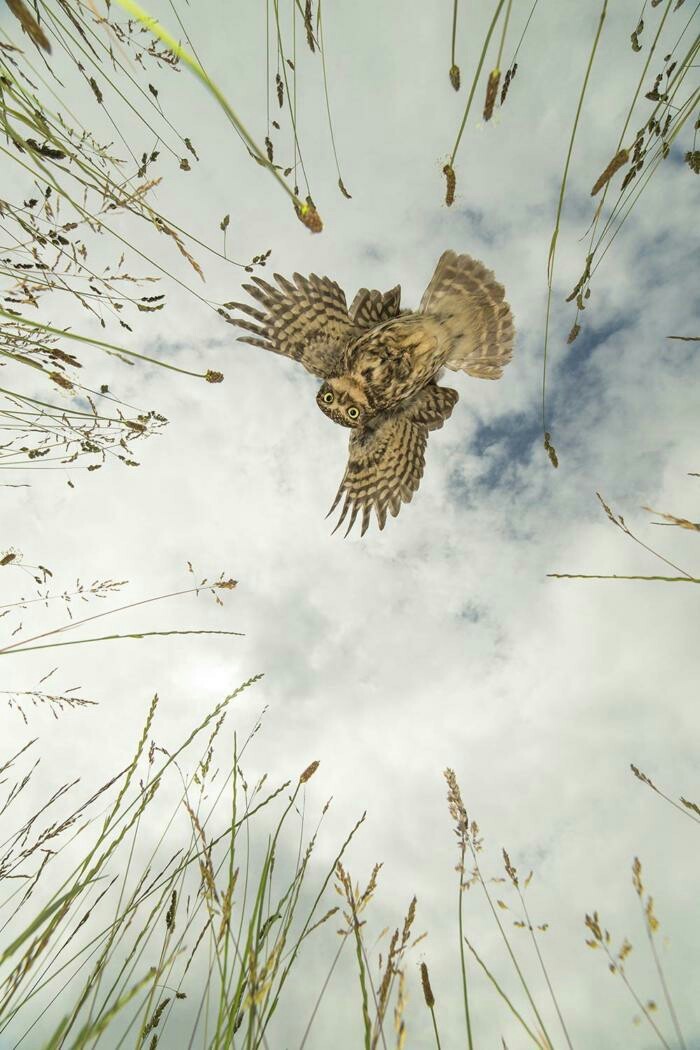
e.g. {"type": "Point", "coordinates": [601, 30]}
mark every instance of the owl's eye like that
{"type": "Point", "coordinates": [328, 397]}
{"type": "Point", "coordinates": [353, 412]}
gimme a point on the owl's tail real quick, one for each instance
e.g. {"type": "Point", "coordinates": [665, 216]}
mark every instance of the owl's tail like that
{"type": "Point", "coordinates": [468, 302]}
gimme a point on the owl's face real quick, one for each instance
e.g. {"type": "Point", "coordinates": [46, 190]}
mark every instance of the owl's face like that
{"type": "Point", "coordinates": [343, 401]}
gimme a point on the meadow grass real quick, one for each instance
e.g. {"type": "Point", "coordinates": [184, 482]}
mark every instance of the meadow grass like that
{"type": "Point", "coordinates": [116, 935]}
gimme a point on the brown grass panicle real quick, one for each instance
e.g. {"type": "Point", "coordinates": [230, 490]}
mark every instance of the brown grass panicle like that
{"type": "Point", "coordinates": [620, 159]}
{"type": "Point", "coordinates": [507, 81]}
{"type": "Point", "coordinates": [449, 173]}
{"type": "Point", "coordinates": [601, 939]}
{"type": "Point", "coordinates": [391, 970]}
{"type": "Point", "coordinates": [491, 92]}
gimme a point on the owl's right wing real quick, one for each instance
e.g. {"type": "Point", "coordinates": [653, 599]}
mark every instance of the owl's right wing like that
{"type": "Point", "coordinates": [370, 307]}
{"type": "Point", "coordinates": [307, 321]}
{"type": "Point", "coordinates": [386, 461]}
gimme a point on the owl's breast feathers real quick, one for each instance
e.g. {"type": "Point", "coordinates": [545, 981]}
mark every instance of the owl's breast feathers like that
{"type": "Point", "coordinates": [396, 359]}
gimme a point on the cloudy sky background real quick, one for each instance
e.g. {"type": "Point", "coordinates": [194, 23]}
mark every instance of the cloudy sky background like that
{"type": "Point", "coordinates": [439, 642]}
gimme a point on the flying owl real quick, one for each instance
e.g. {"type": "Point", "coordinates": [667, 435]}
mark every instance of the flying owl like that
{"type": "Point", "coordinates": [380, 364]}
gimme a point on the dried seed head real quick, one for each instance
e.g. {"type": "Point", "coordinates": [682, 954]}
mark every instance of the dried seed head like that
{"type": "Point", "coordinates": [510, 73]}
{"type": "Point", "coordinates": [454, 77]}
{"type": "Point", "coordinates": [427, 990]}
{"type": "Point", "coordinates": [29, 23]}
{"type": "Point", "coordinates": [170, 914]}
{"type": "Point", "coordinates": [60, 380]}
{"type": "Point", "coordinates": [615, 164]}
{"type": "Point", "coordinates": [593, 924]}
{"type": "Point", "coordinates": [309, 772]}
{"type": "Point", "coordinates": [550, 449]}
{"type": "Point", "coordinates": [456, 806]}
{"type": "Point", "coordinates": [214, 377]}
{"type": "Point", "coordinates": [226, 585]}
{"type": "Point", "coordinates": [573, 333]}
{"type": "Point", "coordinates": [95, 89]}
{"type": "Point", "coordinates": [628, 178]}
{"type": "Point", "coordinates": [308, 25]}
{"type": "Point", "coordinates": [309, 216]}
{"type": "Point", "coordinates": [491, 92]}
{"type": "Point", "coordinates": [652, 921]}
{"type": "Point", "coordinates": [510, 870]}
{"type": "Point", "coordinates": [448, 172]}
{"type": "Point", "coordinates": [692, 159]}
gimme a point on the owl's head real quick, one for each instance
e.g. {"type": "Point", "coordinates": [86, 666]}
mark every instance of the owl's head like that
{"type": "Point", "coordinates": [344, 401]}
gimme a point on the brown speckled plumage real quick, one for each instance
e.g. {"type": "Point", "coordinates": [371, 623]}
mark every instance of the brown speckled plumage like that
{"type": "Point", "coordinates": [379, 365]}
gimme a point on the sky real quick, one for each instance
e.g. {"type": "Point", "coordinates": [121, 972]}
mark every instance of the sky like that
{"type": "Point", "coordinates": [440, 642]}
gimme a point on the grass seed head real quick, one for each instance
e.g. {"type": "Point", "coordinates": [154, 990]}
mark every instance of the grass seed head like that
{"type": "Point", "coordinates": [491, 92]}
{"type": "Point", "coordinates": [615, 164]}
{"type": "Point", "coordinates": [449, 173]}
{"type": "Point", "coordinates": [427, 989]}
{"type": "Point", "coordinates": [309, 772]}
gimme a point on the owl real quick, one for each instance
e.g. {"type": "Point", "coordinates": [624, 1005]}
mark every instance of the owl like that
{"type": "Point", "coordinates": [380, 365]}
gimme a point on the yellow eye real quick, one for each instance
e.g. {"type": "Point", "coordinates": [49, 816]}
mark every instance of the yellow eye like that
{"type": "Point", "coordinates": [353, 413]}
{"type": "Point", "coordinates": [328, 397]}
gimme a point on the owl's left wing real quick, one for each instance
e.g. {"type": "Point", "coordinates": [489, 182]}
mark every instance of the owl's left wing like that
{"type": "Point", "coordinates": [307, 321]}
{"type": "Point", "coordinates": [386, 460]}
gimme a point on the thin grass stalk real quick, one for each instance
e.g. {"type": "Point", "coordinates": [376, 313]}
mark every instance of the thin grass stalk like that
{"type": "Point", "coordinates": [650, 925]}
{"type": "Point", "coordinates": [223, 1002]}
{"type": "Point", "coordinates": [328, 104]}
{"type": "Point", "coordinates": [553, 243]}
{"type": "Point", "coordinates": [503, 35]}
{"type": "Point", "coordinates": [290, 106]}
{"type": "Point", "coordinates": [307, 923]}
{"type": "Point", "coordinates": [319, 998]}
{"type": "Point", "coordinates": [119, 637]}
{"type": "Point", "coordinates": [685, 810]}
{"type": "Point", "coordinates": [522, 35]}
{"type": "Point", "coordinates": [502, 994]}
{"type": "Point", "coordinates": [615, 576]}
{"type": "Point", "coordinates": [508, 947]}
{"type": "Point", "coordinates": [111, 348]}
{"type": "Point", "coordinates": [544, 968]}
{"type": "Point", "coordinates": [98, 616]}
{"type": "Point", "coordinates": [463, 963]}
{"type": "Point", "coordinates": [118, 909]}
{"type": "Point", "coordinates": [359, 954]}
